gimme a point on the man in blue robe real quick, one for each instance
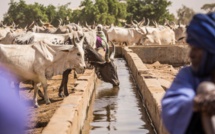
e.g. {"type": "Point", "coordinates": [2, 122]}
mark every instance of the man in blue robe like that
{"type": "Point", "coordinates": [178, 112]}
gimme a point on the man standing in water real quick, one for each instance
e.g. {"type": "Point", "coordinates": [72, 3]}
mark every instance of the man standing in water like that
{"type": "Point", "coordinates": [178, 112]}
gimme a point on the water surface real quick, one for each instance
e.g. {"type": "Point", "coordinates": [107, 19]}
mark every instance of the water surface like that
{"type": "Point", "coordinates": [117, 110]}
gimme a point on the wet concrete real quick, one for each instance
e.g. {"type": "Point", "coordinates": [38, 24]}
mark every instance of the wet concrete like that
{"type": "Point", "coordinates": [117, 110]}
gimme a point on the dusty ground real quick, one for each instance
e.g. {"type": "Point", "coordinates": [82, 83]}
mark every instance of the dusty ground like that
{"type": "Point", "coordinates": [39, 117]}
{"type": "Point", "coordinates": [163, 71]}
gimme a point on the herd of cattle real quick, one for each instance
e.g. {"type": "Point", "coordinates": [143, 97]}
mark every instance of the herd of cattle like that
{"type": "Point", "coordinates": [37, 53]}
{"type": "Point", "coordinates": [139, 33]}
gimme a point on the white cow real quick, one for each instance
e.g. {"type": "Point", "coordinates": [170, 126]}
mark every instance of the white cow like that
{"type": "Point", "coordinates": [180, 32]}
{"type": "Point", "coordinates": [39, 62]}
{"type": "Point", "coordinates": [8, 38]}
{"type": "Point", "coordinates": [90, 38]}
{"type": "Point", "coordinates": [4, 31]}
{"type": "Point", "coordinates": [31, 37]}
{"type": "Point", "coordinates": [165, 36]}
{"type": "Point", "coordinates": [130, 36]}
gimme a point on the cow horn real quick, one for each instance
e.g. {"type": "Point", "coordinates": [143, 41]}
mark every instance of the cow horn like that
{"type": "Point", "coordinates": [154, 23]}
{"type": "Point", "coordinates": [166, 22]}
{"type": "Point", "coordinates": [113, 52]}
{"type": "Point", "coordinates": [13, 24]}
{"type": "Point", "coordinates": [179, 23]}
{"type": "Point", "coordinates": [60, 22]}
{"type": "Point", "coordinates": [141, 31]}
{"type": "Point", "coordinates": [147, 32]}
{"type": "Point", "coordinates": [87, 25]}
{"type": "Point", "coordinates": [42, 22]}
{"type": "Point", "coordinates": [133, 23]}
{"type": "Point", "coordinates": [73, 41]}
{"type": "Point", "coordinates": [148, 21]}
{"type": "Point", "coordinates": [169, 26]}
{"type": "Point", "coordinates": [4, 26]}
{"type": "Point", "coordinates": [141, 22]}
{"type": "Point", "coordinates": [172, 23]}
{"type": "Point", "coordinates": [25, 28]}
{"type": "Point", "coordinates": [31, 25]}
{"type": "Point", "coordinates": [61, 19]}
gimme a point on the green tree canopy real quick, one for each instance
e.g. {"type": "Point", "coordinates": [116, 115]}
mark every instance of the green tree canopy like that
{"type": "Point", "coordinates": [153, 9]}
{"type": "Point", "coordinates": [100, 11]}
{"type": "Point", "coordinates": [23, 14]}
{"type": "Point", "coordinates": [209, 7]}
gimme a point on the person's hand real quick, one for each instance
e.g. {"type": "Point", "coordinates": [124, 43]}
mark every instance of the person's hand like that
{"type": "Point", "coordinates": [205, 102]}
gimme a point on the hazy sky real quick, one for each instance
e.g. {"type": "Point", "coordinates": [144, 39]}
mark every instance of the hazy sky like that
{"type": "Point", "coordinates": [176, 4]}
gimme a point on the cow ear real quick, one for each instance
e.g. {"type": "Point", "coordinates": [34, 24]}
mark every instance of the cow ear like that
{"type": "Point", "coordinates": [65, 51]}
{"type": "Point", "coordinates": [94, 63]}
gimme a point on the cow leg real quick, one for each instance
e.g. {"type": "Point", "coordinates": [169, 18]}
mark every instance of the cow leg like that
{"type": "Point", "coordinates": [35, 96]}
{"type": "Point", "coordinates": [39, 91]}
{"type": "Point", "coordinates": [63, 84]}
{"type": "Point", "coordinates": [45, 85]}
{"type": "Point", "coordinates": [67, 72]}
{"type": "Point", "coordinates": [75, 75]}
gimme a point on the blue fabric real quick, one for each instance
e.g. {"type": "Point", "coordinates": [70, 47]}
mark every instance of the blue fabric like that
{"type": "Point", "coordinates": [201, 33]}
{"type": "Point", "coordinates": [177, 103]}
{"type": "Point", "coordinates": [12, 111]}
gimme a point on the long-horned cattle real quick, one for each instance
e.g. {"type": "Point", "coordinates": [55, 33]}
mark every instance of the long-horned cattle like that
{"type": "Point", "coordinates": [179, 30]}
{"type": "Point", "coordinates": [130, 36]}
{"type": "Point", "coordinates": [40, 61]}
{"type": "Point", "coordinates": [105, 69]}
{"type": "Point", "coordinates": [165, 36]}
{"type": "Point", "coordinates": [31, 37]}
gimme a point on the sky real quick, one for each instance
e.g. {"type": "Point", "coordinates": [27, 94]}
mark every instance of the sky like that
{"type": "Point", "coordinates": [176, 4]}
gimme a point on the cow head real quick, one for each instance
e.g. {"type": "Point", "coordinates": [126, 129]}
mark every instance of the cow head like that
{"type": "Point", "coordinates": [79, 55]}
{"type": "Point", "coordinates": [105, 69]}
{"type": "Point", "coordinates": [75, 56]}
{"type": "Point", "coordinates": [9, 38]}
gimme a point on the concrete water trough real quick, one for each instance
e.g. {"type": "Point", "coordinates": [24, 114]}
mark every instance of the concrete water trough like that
{"type": "Point", "coordinates": [69, 117]}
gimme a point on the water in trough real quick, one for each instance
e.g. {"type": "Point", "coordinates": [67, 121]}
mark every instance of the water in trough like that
{"type": "Point", "coordinates": [117, 110]}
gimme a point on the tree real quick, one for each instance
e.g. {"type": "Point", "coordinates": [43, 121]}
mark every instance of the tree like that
{"type": "Point", "coordinates": [23, 14]}
{"type": "Point", "coordinates": [16, 12]}
{"type": "Point", "coordinates": [209, 7]}
{"type": "Point", "coordinates": [101, 11]}
{"type": "Point", "coordinates": [63, 12]}
{"type": "Point", "coordinates": [153, 9]}
{"type": "Point", "coordinates": [185, 14]}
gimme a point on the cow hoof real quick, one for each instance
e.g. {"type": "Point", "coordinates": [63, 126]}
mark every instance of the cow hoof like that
{"type": "Point", "coordinates": [36, 106]}
{"type": "Point", "coordinates": [66, 94]}
{"type": "Point", "coordinates": [61, 95]}
{"type": "Point", "coordinates": [48, 102]}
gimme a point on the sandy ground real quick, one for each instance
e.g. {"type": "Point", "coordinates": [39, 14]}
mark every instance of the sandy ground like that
{"type": "Point", "coordinates": [163, 71]}
{"type": "Point", "coordinates": [39, 117]}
